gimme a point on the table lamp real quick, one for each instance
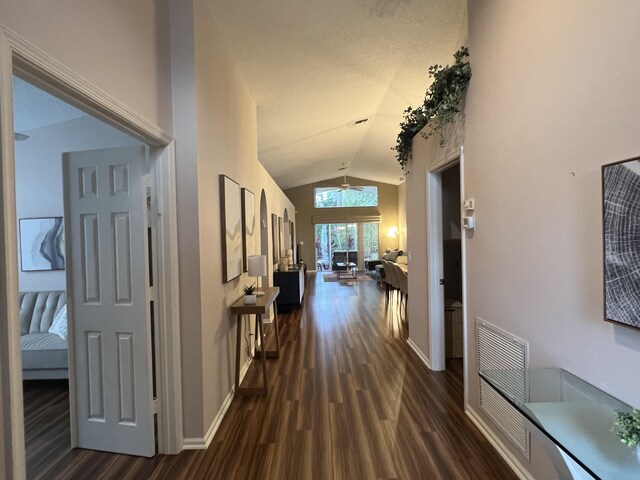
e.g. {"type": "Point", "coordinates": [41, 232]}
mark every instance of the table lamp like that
{"type": "Point", "coordinates": [257, 268]}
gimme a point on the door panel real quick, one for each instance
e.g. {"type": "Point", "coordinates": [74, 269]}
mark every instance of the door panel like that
{"type": "Point", "coordinates": [105, 212]}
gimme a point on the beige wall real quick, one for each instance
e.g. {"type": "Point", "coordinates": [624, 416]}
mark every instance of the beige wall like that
{"type": "Point", "coordinates": [216, 118]}
{"type": "Point", "coordinates": [427, 154]}
{"type": "Point", "coordinates": [119, 46]}
{"type": "Point", "coordinates": [550, 101]}
{"type": "Point", "coordinates": [201, 98]}
{"type": "Point", "coordinates": [303, 198]}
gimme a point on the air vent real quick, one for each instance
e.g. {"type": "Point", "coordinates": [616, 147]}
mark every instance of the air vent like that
{"type": "Point", "coordinates": [500, 350]}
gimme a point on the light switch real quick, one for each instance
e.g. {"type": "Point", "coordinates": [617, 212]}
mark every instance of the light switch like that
{"type": "Point", "coordinates": [469, 222]}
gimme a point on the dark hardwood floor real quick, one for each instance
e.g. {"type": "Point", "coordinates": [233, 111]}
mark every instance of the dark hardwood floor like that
{"type": "Point", "coordinates": [348, 399]}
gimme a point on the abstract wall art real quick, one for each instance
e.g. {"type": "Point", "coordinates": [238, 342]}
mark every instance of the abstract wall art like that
{"type": "Point", "coordinates": [41, 244]}
{"type": "Point", "coordinates": [275, 239]}
{"type": "Point", "coordinates": [621, 229]}
{"type": "Point", "coordinates": [248, 226]}
{"type": "Point", "coordinates": [231, 214]}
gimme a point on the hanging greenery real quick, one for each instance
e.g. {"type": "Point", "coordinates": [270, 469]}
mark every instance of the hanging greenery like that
{"type": "Point", "coordinates": [441, 103]}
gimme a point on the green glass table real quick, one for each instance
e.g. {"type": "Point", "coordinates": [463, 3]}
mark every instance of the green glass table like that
{"type": "Point", "coordinates": [576, 416]}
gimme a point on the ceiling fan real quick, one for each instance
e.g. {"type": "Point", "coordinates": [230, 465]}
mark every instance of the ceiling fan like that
{"type": "Point", "coordinates": [345, 185]}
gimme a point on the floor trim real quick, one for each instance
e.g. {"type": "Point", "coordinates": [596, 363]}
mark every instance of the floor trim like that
{"type": "Point", "coordinates": [506, 455]}
{"type": "Point", "coordinates": [202, 443]}
{"type": "Point", "coordinates": [419, 352]}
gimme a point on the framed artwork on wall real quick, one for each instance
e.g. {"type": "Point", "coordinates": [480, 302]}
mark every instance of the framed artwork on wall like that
{"type": "Point", "coordinates": [41, 244]}
{"type": "Point", "coordinates": [248, 226]}
{"type": "Point", "coordinates": [280, 237]}
{"type": "Point", "coordinates": [621, 230]}
{"type": "Point", "coordinates": [292, 240]}
{"type": "Point", "coordinates": [275, 243]}
{"type": "Point", "coordinates": [231, 214]}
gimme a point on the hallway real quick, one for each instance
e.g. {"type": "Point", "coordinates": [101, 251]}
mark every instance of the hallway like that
{"type": "Point", "coordinates": [348, 399]}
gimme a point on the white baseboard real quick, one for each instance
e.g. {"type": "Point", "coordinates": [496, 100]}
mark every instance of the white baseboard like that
{"type": "Point", "coordinates": [202, 443]}
{"type": "Point", "coordinates": [420, 353]}
{"type": "Point", "coordinates": [504, 452]}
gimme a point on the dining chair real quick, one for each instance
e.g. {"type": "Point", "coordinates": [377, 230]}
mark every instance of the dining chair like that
{"type": "Point", "coordinates": [393, 280]}
{"type": "Point", "coordinates": [403, 285]}
{"type": "Point", "coordinates": [386, 278]}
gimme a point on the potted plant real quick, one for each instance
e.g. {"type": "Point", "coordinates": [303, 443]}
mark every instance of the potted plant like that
{"type": "Point", "coordinates": [627, 427]}
{"type": "Point", "coordinates": [249, 294]}
{"type": "Point", "coordinates": [441, 103]}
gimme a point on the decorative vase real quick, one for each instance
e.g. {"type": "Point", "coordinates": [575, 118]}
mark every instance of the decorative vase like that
{"type": "Point", "coordinates": [283, 264]}
{"type": "Point", "coordinates": [249, 299]}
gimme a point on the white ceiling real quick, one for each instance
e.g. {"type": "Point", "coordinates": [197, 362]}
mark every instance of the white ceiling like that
{"type": "Point", "coordinates": [34, 108]}
{"type": "Point", "coordinates": [314, 67]}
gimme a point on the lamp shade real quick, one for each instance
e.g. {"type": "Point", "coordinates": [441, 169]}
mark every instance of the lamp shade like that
{"type": "Point", "coordinates": [257, 265]}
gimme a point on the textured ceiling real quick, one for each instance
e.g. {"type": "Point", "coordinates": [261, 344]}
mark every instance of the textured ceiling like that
{"type": "Point", "coordinates": [34, 108]}
{"type": "Point", "coordinates": [314, 67]}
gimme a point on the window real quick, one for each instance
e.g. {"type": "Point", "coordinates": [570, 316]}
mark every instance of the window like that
{"type": "Point", "coordinates": [333, 197]}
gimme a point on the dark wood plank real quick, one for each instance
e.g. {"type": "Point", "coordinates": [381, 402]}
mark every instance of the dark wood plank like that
{"type": "Point", "coordinates": [347, 399]}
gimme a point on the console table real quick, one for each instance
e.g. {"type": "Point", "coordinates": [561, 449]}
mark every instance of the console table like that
{"type": "Point", "coordinates": [576, 416]}
{"type": "Point", "coordinates": [261, 307]}
{"type": "Point", "coordinates": [291, 283]}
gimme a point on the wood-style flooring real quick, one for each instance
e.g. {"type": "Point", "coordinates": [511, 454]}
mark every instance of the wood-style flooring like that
{"type": "Point", "coordinates": [348, 399]}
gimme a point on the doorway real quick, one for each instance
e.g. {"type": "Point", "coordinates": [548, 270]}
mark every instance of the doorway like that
{"type": "Point", "coordinates": [66, 86]}
{"type": "Point", "coordinates": [452, 267]}
{"type": "Point", "coordinates": [446, 286]}
{"type": "Point", "coordinates": [103, 221]}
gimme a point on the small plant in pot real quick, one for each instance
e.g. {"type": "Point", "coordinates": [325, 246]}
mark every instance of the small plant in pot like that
{"type": "Point", "coordinates": [627, 427]}
{"type": "Point", "coordinates": [249, 294]}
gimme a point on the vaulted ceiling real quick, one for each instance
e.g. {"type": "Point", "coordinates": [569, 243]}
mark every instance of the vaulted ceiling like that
{"type": "Point", "coordinates": [316, 67]}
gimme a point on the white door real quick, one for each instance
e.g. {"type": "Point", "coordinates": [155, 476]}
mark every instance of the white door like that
{"type": "Point", "coordinates": [108, 278]}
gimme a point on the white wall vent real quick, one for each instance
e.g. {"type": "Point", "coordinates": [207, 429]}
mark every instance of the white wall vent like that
{"type": "Point", "coordinates": [500, 350]}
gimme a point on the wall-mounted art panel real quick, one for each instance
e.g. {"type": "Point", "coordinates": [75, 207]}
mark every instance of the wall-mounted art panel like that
{"type": "Point", "coordinates": [41, 244]}
{"type": "Point", "coordinates": [275, 238]}
{"type": "Point", "coordinates": [248, 226]}
{"type": "Point", "coordinates": [621, 229]}
{"type": "Point", "coordinates": [231, 213]}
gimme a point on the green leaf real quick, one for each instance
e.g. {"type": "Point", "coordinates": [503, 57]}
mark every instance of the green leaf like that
{"type": "Point", "coordinates": [441, 104]}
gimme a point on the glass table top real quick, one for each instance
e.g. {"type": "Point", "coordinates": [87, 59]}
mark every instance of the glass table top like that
{"type": "Point", "coordinates": [574, 414]}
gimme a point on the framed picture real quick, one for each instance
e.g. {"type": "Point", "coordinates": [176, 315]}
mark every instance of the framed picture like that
{"type": "Point", "coordinates": [275, 238]}
{"type": "Point", "coordinates": [41, 244]}
{"type": "Point", "coordinates": [621, 230]}
{"type": "Point", "coordinates": [280, 238]}
{"type": "Point", "coordinates": [231, 214]}
{"type": "Point", "coordinates": [248, 226]}
{"type": "Point", "coordinates": [292, 240]}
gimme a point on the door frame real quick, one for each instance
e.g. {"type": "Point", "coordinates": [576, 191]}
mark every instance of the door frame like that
{"type": "Point", "coordinates": [435, 258]}
{"type": "Point", "coordinates": [20, 57]}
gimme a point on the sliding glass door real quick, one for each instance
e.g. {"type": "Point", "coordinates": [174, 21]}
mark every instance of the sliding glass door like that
{"type": "Point", "coordinates": [341, 242]}
{"type": "Point", "coordinates": [370, 240]}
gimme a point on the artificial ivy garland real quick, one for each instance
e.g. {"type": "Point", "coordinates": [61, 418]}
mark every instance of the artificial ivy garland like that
{"type": "Point", "coordinates": [441, 103]}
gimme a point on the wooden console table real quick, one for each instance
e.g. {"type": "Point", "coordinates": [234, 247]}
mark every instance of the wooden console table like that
{"type": "Point", "coordinates": [261, 307]}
